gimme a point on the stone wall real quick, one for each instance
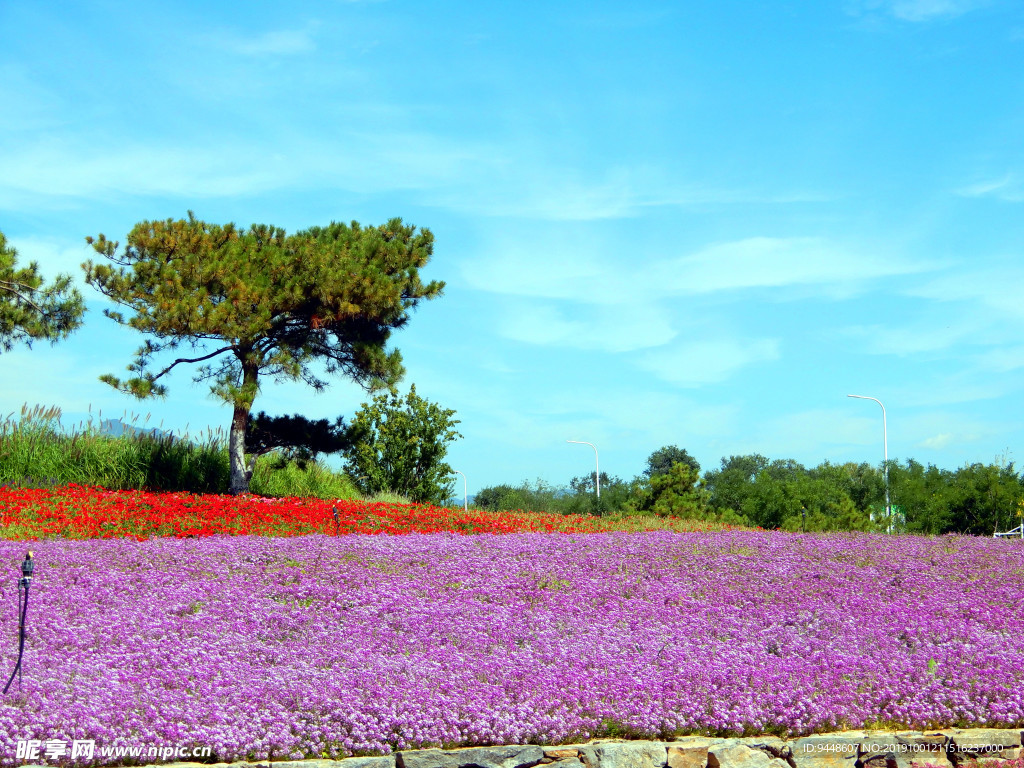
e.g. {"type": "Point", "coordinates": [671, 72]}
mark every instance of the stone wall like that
{"type": "Point", "coordinates": [947, 748]}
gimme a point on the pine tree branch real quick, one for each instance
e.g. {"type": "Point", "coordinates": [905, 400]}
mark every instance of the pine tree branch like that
{"type": "Point", "coordinates": [12, 287]}
{"type": "Point", "coordinates": [220, 351]}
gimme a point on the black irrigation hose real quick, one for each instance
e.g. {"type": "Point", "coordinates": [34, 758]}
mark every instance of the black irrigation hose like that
{"type": "Point", "coordinates": [27, 566]}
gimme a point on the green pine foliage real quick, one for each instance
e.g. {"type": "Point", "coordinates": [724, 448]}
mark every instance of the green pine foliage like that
{"type": "Point", "coordinates": [30, 311]}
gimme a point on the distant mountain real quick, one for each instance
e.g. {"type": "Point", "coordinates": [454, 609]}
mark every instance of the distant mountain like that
{"type": "Point", "coordinates": [117, 428]}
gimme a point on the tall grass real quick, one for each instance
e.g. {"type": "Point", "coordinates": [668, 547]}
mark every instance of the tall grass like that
{"type": "Point", "coordinates": [272, 476]}
{"type": "Point", "coordinates": [36, 452]}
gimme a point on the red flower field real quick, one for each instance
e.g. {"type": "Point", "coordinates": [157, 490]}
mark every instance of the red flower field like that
{"type": "Point", "coordinates": [81, 512]}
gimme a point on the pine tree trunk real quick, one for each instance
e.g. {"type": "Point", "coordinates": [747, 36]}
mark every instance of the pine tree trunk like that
{"type": "Point", "coordinates": [236, 451]}
{"type": "Point", "coordinates": [240, 474]}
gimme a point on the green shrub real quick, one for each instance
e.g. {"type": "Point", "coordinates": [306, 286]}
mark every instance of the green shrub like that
{"type": "Point", "coordinates": [274, 476]}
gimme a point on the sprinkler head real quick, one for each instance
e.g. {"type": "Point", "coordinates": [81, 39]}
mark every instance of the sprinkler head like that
{"type": "Point", "coordinates": [27, 565]}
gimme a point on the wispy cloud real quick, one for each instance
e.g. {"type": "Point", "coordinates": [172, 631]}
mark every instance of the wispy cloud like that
{"type": "Point", "coordinates": [285, 42]}
{"type": "Point", "coordinates": [996, 288]}
{"type": "Point", "coordinates": [518, 187]}
{"type": "Point", "coordinates": [770, 262]}
{"type": "Point", "coordinates": [51, 173]}
{"type": "Point", "coordinates": [1008, 188]}
{"type": "Point", "coordinates": [582, 269]}
{"type": "Point", "coordinates": [612, 330]}
{"type": "Point", "coordinates": [695, 364]}
{"type": "Point", "coordinates": [552, 263]}
{"type": "Point", "coordinates": [924, 10]}
{"type": "Point", "coordinates": [832, 430]}
{"type": "Point", "coordinates": [1002, 359]}
{"type": "Point", "coordinates": [964, 385]}
{"type": "Point", "coordinates": [948, 433]}
{"type": "Point", "coordinates": [481, 177]}
{"type": "Point", "coordinates": [28, 107]}
{"type": "Point", "coordinates": [54, 172]}
{"type": "Point", "coordinates": [924, 336]}
{"type": "Point", "coordinates": [55, 257]}
{"type": "Point", "coordinates": [937, 442]}
{"type": "Point", "coordinates": [637, 419]}
{"type": "Point", "coordinates": [916, 10]}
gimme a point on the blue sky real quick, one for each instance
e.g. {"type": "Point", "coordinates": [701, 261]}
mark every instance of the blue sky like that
{"type": "Point", "coordinates": [700, 224]}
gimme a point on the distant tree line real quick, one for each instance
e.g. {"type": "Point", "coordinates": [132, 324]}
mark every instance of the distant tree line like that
{"type": "Point", "coordinates": [784, 494]}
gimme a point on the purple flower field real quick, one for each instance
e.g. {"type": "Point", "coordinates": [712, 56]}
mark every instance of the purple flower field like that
{"type": "Point", "coordinates": [324, 646]}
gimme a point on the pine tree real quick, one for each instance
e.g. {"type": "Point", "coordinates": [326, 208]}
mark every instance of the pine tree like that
{"type": "Point", "coordinates": [271, 304]}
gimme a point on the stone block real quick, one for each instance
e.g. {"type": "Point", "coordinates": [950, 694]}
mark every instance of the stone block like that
{"type": "Point", "coordinates": [630, 754]}
{"type": "Point", "coordinates": [773, 745]}
{"type": "Point", "coordinates": [562, 751]}
{"type": "Point", "coordinates": [473, 757]}
{"type": "Point", "coordinates": [919, 748]}
{"type": "Point", "coordinates": [379, 761]}
{"type": "Point", "coordinates": [984, 742]}
{"type": "Point", "coordinates": [737, 755]}
{"type": "Point", "coordinates": [887, 750]}
{"type": "Point", "coordinates": [690, 751]}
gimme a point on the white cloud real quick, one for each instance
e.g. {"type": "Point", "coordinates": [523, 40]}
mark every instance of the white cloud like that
{"type": "Point", "coordinates": [953, 435]}
{"type": "Point", "coordinates": [1008, 188]}
{"type": "Point", "coordinates": [60, 172]}
{"type": "Point", "coordinates": [556, 264]}
{"type": "Point", "coordinates": [925, 10]}
{"type": "Point", "coordinates": [814, 435]}
{"type": "Point", "coordinates": [695, 364]}
{"type": "Point", "coordinates": [998, 288]}
{"type": "Point", "coordinates": [284, 42]}
{"type": "Point", "coordinates": [55, 257]}
{"type": "Point", "coordinates": [28, 107]}
{"type": "Point", "coordinates": [1002, 360]}
{"type": "Point", "coordinates": [965, 385]}
{"type": "Point", "coordinates": [916, 338]}
{"type": "Point", "coordinates": [51, 173]}
{"type": "Point", "coordinates": [57, 376]}
{"type": "Point", "coordinates": [916, 10]}
{"type": "Point", "coordinates": [580, 297]}
{"type": "Point", "coordinates": [612, 329]}
{"type": "Point", "coordinates": [614, 420]}
{"type": "Point", "coordinates": [577, 267]}
{"type": "Point", "coordinates": [769, 262]}
{"type": "Point", "coordinates": [852, 434]}
{"type": "Point", "coordinates": [556, 193]}
{"type": "Point", "coordinates": [937, 442]}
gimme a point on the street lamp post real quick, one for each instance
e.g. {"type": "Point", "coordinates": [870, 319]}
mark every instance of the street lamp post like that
{"type": "Point", "coordinates": [465, 491]}
{"type": "Point", "coordinates": [597, 473]}
{"type": "Point", "coordinates": [885, 449]}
